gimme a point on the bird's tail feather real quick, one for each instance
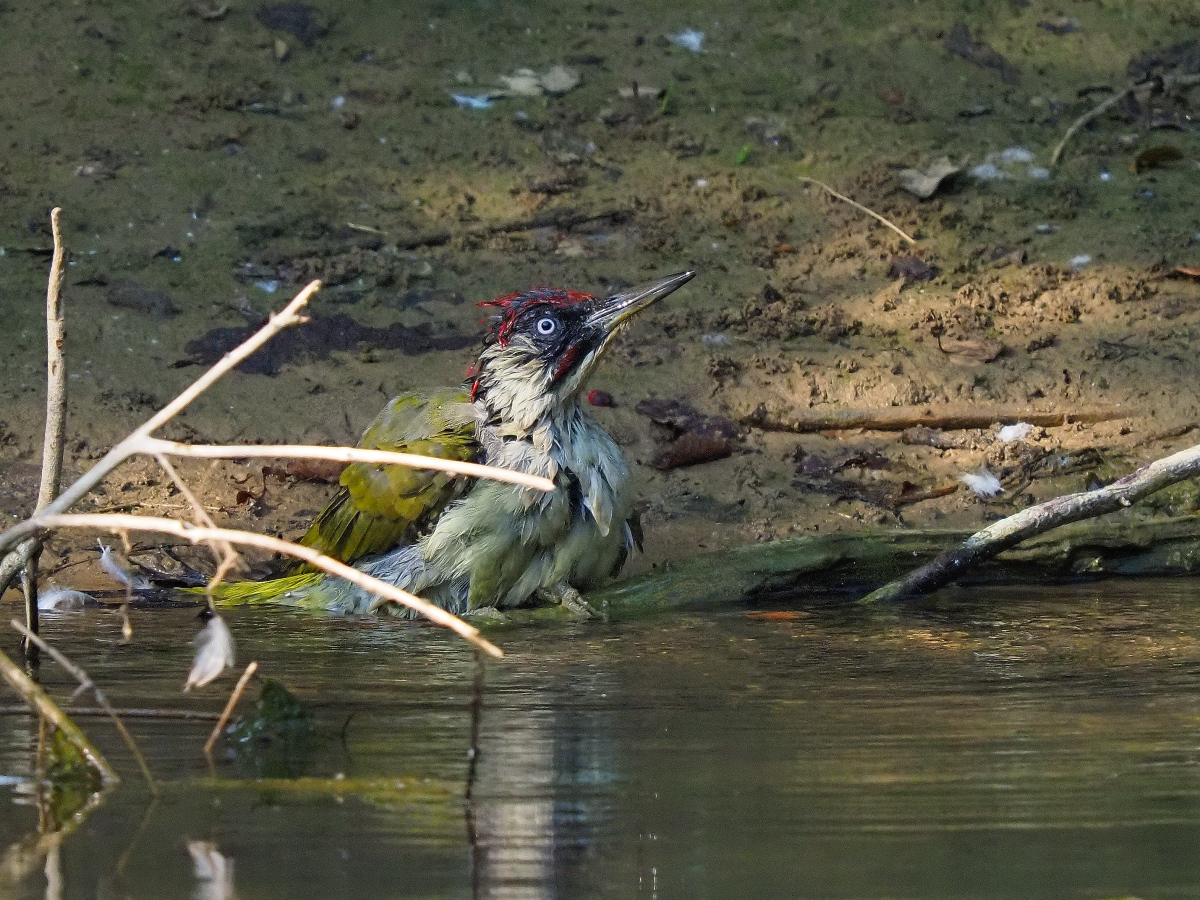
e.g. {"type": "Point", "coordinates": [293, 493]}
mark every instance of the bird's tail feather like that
{"type": "Point", "coordinates": [248, 593]}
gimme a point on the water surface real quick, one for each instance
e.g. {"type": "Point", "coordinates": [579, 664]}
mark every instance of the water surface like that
{"type": "Point", "coordinates": [1040, 743]}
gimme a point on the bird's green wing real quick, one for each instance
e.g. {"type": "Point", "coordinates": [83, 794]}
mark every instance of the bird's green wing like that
{"type": "Point", "coordinates": [380, 506]}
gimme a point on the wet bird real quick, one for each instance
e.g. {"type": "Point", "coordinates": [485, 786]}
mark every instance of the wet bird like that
{"type": "Point", "coordinates": [469, 544]}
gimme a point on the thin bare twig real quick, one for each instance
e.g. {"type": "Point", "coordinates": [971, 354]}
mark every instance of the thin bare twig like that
{"type": "Point", "coordinates": [228, 710]}
{"type": "Point", "coordinates": [900, 418]}
{"type": "Point", "coordinates": [53, 434]}
{"type": "Point", "coordinates": [343, 454]}
{"type": "Point", "coordinates": [119, 453]}
{"type": "Point", "coordinates": [224, 554]}
{"type": "Point", "coordinates": [870, 212]}
{"type": "Point", "coordinates": [85, 712]}
{"type": "Point", "coordinates": [56, 374]}
{"type": "Point", "coordinates": [86, 683]}
{"type": "Point", "coordinates": [1034, 520]}
{"type": "Point", "coordinates": [49, 710]}
{"type": "Point", "coordinates": [196, 534]}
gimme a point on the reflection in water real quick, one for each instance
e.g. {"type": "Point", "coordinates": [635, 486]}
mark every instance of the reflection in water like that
{"type": "Point", "coordinates": [982, 746]}
{"type": "Point", "coordinates": [213, 871]}
{"type": "Point", "coordinates": [525, 834]}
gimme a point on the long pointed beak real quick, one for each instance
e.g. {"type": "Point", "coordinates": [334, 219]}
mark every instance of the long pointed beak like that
{"type": "Point", "coordinates": [617, 309]}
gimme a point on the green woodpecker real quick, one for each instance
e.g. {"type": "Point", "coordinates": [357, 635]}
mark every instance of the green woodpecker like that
{"type": "Point", "coordinates": [465, 543]}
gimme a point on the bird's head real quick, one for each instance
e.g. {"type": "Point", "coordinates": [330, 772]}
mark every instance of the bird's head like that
{"type": "Point", "coordinates": [545, 342]}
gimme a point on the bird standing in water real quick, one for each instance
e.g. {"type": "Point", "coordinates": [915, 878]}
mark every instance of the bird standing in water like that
{"type": "Point", "coordinates": [468, 544]}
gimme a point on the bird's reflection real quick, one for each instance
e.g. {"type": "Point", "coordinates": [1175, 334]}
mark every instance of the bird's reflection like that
{"type": "Point", "coordinates": [525, 839]}
{"type": "Point", "coordinates": [213, 871]}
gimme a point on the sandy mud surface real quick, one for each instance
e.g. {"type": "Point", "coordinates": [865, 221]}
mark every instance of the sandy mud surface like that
{"type": "Point", "coordinates": [212, 159]}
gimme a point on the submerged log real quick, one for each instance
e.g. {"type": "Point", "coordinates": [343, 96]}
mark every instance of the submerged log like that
{"type": "Point", "coordinates": [845, 566]}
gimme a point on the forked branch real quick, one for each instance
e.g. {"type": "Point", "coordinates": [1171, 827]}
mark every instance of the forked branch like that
{"type": "Point", "coordinates": [198, 534]}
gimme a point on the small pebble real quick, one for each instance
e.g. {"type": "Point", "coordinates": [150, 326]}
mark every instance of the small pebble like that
{"type": "Point", "coordinates": [688, 39]}
{"type": "Point", "coordinates": [1106, 175]}
{"type": "Point", "coordinates": [466, 101]}
{"type": "Point", "coordinates": [1041, 173]}
{"type": "Point", "coordinates": [720, 339]}
{"type": "Point", "coordinates": [1017, 155]}
{"type": "Point", "coordinates": [1045, 228]}
{"type": "Point", "coordinates": [986, 172]}
{"type": "Point", "coordinates": [267, 287]}
{"type": "Point", "coordinates": [1078, 262]}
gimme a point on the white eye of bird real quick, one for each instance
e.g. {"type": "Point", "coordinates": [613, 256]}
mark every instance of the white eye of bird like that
{"type": "Point", "coordinates": [547, 326]}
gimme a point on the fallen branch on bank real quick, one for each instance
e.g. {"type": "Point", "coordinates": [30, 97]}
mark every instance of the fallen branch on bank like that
{"type": "Point", "coordinates": [900, 418]}
{"type": "Point", "coordinates": [1037, 519]}
{"type": "Point", "coordinates": [1141, 88]}
{"type": "Point", "coordinates": [870, 212]}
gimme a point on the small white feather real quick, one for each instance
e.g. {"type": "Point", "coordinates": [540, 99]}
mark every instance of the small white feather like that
{"type": "Point", "coordinates": [57, 599]}
{"type": "Point", "coordinates": [118, 573]}
{"type": "Point", "coordinates": [112, 568]}
{"type": "Point", "coordinates": [213, 871]}
{"type": "Point", "coordinates": [214, 652]}
{"type": "Point", "coordinates": [1017, 432]}
{"type": "Point", "coordinates": [982, 483]}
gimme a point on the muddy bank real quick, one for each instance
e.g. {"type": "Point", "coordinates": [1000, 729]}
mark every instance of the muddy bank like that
{"type": "Point", "coordinates": [210, 163]}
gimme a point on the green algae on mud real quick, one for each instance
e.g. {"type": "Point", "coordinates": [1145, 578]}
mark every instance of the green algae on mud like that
{"type": "Point", "coordinates": [842, 568]}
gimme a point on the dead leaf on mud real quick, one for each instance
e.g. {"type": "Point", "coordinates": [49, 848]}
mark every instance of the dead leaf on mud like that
{"type": "Point", "coordinates": [971, 350]}
{"type": "Point", "coordinates": [1186, 271]}
{"type": "Point", "coordinates": [131, 295]}
{"type": "Point", "coordinates": [912, 269]}
{"type": "Point", "coordinates": [1155, 158]}
{"type": "Point", "coordinates": [926, 184]}
{"type": "Point", "coordinates": [681, 417]}
{"type": "Point", "coordinates": [326, 470]}
{"type": "Point", "coordinates": [691, 449]}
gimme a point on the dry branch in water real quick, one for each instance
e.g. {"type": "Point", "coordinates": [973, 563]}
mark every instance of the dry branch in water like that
{"type": "Point", "coordinates": [141, 441]}
{"type": "Point", "coordinates": [86, 684]}
{"type": "Point", "coordinates": [1034, 520]}
{"type": "Point", "coordinates": [41, 703]}
{"type": "Point", "coordinates": [26, 557]}
{"type": "Point", "coordinates": [228, 710]}
{"type": "Point", "coordinates": [197, 534]}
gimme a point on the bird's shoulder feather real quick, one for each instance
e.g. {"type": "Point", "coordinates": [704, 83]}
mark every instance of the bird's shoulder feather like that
{"type": "Point", "coordinates": [380, 506]}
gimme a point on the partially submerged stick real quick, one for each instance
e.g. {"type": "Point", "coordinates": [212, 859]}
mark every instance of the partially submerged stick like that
{"type": "Point", "coordinates": [55, 427]}
{"type": "Point", "coordinates": [1043, 517]}
{"type": "Point", "coordinates": [870, 212]}
{"type": "Point", "coordinates": [86, 684]}
{"type": "Point", "coordinates": [41, 703]}
{"type": "Point", "coordinates": [228, 710]}
{"type": "Point", "coordinates": [198, 534]}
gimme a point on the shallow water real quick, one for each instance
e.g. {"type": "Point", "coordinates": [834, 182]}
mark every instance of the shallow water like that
{"type": "Point", "coordinates": [1040, 743]}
